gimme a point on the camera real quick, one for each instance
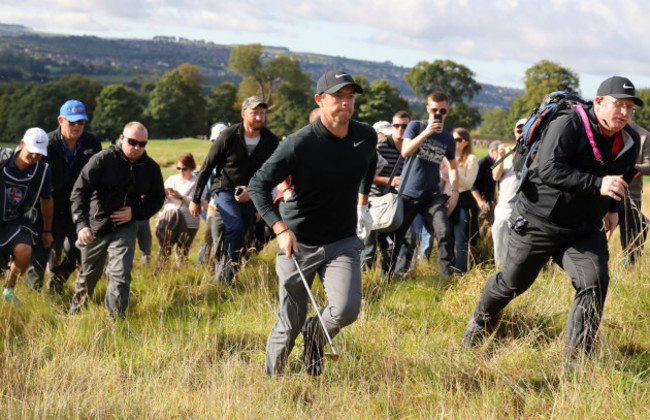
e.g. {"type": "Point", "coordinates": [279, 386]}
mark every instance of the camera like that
{"type": "Point", "coordinates": [437, 117]}
{"type": "Point", "coordinates": [238, 191]}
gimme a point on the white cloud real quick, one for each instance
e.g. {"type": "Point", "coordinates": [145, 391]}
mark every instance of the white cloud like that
{"type": "Point", "coordinates": [588, 36]}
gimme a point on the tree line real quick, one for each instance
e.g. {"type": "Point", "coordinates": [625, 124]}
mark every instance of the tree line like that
{"type": "Point", "coordinates": [175, 106]}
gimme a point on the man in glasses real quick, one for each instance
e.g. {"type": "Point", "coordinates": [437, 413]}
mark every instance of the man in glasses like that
{"type": "Point", "coordinates": [69, 148]}
{"type": "Point", "coordinates": [425, 145]}
{"type": "Point", "coordinates": [118, 186]}
{"type": "Point", "coordinates": [566, 210]}
{"type": "Point", "coordinates": [238, 152]}
{"type": "Point", "coordinates": [389, 148]}
{"type": "Point", "coordinates": [504, 174]}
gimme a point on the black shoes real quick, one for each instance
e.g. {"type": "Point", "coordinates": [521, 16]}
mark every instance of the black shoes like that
{"type": "Point", "coordinates": [474, 334]}
{"type": "Point", "coordinates": [313, 353]}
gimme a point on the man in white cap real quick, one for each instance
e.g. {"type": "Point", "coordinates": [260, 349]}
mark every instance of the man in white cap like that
{"type": "Point", "coordinates": [567, 209]}
{"type": "Point", "coordinates": [504, 174]}
{"type": "Point", "coordinates": [69, 148]}
{"type": "Point", "coordinates": [24, 180]}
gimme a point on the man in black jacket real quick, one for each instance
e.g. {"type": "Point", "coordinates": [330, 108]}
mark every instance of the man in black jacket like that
{"type": "Point", "coordinates": [68, 150]}
{"type": "Point", "coordinates": [117, 187]}
{"type": "Point", "coordinates": [238, 151]}
{"type": "Point", "coordinates": [332, 164]}
{"type": "Point", "coordinates": [575, 186]}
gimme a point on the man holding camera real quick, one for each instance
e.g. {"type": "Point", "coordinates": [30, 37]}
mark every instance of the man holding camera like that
{"type": "Point", "coordinates": [566, 210]}
{"type": "Point", "coordinates": [239, 151]}
{"type": "Point", "coordinates": [426, 144]}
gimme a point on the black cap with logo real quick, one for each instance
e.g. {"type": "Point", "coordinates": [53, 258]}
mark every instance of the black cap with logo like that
{"type": "Point", "coordinates": [335, 80]}
{"type": "Point", "coordinates": [619, 88]}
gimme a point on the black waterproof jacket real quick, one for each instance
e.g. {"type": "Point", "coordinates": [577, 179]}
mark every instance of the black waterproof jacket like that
{"type": "Point", "coordinates": [229, 153]}
{"type": "Point", "coordinates": [64, 172]}
{"type": "Point", "coordinates": [110, 181]}
{"type": "Point", "coordinates": [562, 194]}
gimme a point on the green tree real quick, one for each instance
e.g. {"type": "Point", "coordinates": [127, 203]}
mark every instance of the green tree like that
{"type": "Point", "coordinates": [116, 105]}
{"type": "Point", "coordinates": [294, 103]}
{"type": "Point", "coordinates": [494, 122]}
{"type": "Point", "coordinates": [642, 115]}
{"type": "Point", "coordinates": [38, 104]}
{"type": "Point", "coordinates": [546, 77]}
{"type": "Point", "coordinates": [261, 79]}
{"type": "Point", "coordinates": [447, 76]}
{"type": "Point", "coordinates": [176, 106]}
{"type": "Point", "coordinates": [382, 100]}
{"type": "Point", "coordinates": [463, 115]}
{"type": "Point", "coordinates": [221, 104]}
{"type": "Point", "coordinates": [541, 79]}
{"type": "Point", "coordinates": [361, 99]}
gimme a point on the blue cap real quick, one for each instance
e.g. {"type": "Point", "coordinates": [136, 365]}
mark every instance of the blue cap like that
{"type": "Point", "coordinates": [74, 110]}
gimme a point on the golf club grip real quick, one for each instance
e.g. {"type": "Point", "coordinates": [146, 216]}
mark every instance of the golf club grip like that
{"type": "Point", "coordinates": [315, 305]}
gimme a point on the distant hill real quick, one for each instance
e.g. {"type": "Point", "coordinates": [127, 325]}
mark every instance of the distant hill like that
{"type": "Point", "coordinates": [26, 55]}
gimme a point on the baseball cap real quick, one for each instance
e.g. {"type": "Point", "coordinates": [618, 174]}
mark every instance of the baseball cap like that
{"type": "Point", "coordinates": [36, 140]}
{"type": "Point", "coordinates": [216, 130]}
{"type": "Point", "coordinates": [335, 80]}
{"type": "Point", "coordinates": [253, 102]}
{"type": "Point", "coordinates": [620, 88]}
{"type": "Point", "coordinates": [521, 122]}
{"type": "Point", "coordinates": [383, 127]}
{"type": "Point", "coordinates": [74, 110]}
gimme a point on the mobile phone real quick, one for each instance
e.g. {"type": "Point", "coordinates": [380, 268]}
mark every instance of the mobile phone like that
{"type": "Point", "coordinates": [238, 191]}
{"type": "Point", "coordinates": [437, 117]}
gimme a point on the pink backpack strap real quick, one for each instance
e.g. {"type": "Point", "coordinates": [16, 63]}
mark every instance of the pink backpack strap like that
{"type": "Point", "coordinates": [590, 134]}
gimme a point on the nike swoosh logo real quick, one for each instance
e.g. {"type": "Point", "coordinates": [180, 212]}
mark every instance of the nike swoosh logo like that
{"type": "Point", "coordinates": [355, 144]}
{"type": "Point", "coordinates": [345, 74]}
{"type": "Point", "coordinates": [625, 86]}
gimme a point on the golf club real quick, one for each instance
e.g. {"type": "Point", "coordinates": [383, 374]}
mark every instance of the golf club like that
{"type": "Point", "coordinates": [334, 355]}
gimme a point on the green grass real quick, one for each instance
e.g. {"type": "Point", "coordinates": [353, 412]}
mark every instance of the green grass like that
{"type": "Point", "coordinates": [191, 348]}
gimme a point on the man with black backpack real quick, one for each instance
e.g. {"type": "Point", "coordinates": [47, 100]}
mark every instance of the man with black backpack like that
{"type": "Point", "coordinates": [580, 172]}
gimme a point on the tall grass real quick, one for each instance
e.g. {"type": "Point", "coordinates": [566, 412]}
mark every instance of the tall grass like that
{"type": "Point", "coordinates": [191, 348]}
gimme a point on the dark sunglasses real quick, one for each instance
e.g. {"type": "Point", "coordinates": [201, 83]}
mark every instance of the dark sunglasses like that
{"type": "Point", "coordinates": [441, 111]}
{"type": "Point", "coordinates": [182, 169]}
{"type": "Point", "coordinates": [78, 122]}
{"type": "Point", "coordinates": [402, 126]}
{"type": "Point", "coordinates": [520, 130]}
{"type": "Point", "coordinates": [134, 142]}
{"type": "Point", "coordinates": [458, 139]}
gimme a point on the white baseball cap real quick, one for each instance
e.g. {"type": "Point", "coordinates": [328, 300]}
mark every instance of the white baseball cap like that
{"type": "Point", "coordinates": [383, 127]}
{"type": "Point", "coordinates": [36, 140]}
{"type": "Point", "coordinates": [216, 130]}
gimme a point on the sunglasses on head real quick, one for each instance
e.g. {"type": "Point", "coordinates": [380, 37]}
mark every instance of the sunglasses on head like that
{"type": "Point", "coordinates": [402, 126]}
{"type": "Point", "coordinates": [441, 111]}
{"type": "Point", "coordinates": [134, 142]}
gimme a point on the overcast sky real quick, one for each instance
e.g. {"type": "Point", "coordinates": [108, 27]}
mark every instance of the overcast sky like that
{"type": "Point", "coordinates": [497, 40]}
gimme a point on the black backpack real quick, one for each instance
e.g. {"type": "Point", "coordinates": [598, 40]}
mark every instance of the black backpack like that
{"type": "Point", "coordinates": [549, 108]}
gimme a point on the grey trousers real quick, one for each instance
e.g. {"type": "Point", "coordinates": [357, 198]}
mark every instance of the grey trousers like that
{"type": "Point", "coordinates": [119, 248]}
{"type": "Point", "coordinates": [584, 259]}
{"type": "Point", "coordinates": [339, 269]}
